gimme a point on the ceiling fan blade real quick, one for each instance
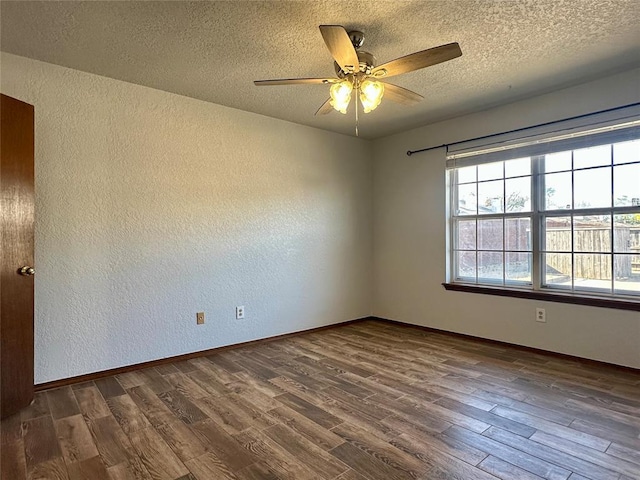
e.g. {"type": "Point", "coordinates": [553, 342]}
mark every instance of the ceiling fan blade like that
{"type": "Point", "coordinates": [340, 46]}
{"type": "Point", "coordinates": [325, 108]}
{"type": "Point", "coordinates": [296, 81]}
{"type": "Point", "coordinates": [418, 60]}
{"type": "Point", "coordinates": [401, 95]}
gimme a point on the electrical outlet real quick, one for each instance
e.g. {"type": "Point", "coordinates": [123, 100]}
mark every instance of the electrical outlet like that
{"type": "Point", "coordinates": [239, 313]}
{"type": "Point", "coordinates": [541, 315]}
{"type": "Point", "coordinates": [200, 318]}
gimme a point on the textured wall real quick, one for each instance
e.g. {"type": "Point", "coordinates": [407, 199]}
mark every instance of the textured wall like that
{"type": "Point", "coordinates": [151, 207]}
{"type": "Point", "coordinates": [409, 237]}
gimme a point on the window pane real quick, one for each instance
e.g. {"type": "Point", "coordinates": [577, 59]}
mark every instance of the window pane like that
{"type": "Point", "coordinates": [626, 152]}
{"type": "Point", "coordinates": [557, 234]}
{"type": "Point", "coordinates": [466, 265]}
{"type": "Point", "coordinates": [467, 199]}
{"type": "Point", "coordinates": [626, 233]}
{"type": "Point", "coordinates": [587, 207]}
{"type": "Point", "coordinates": [626, 185]}
{"type": "Point", "coordinates": [592, 156]}
{"type": "Point", "coordinates": [466, 235]}
{"type": "Point", "coordinates": [490, 266]}
{"type": "Point", "coordinates": [490, 234]}
{"type": "Point", "coordinates": [557, 162]}
{"type": "Point", "coordinates": [627, 273]}
{"type": "Point", "coordinates": [491, 197]}
{"type": "Point", "coordinates": [592, 234]}
{"type": "Point", "coordinates": [592, 188]}
{"type": "Point", "coordinates": [466, 174]}
{"type": "Point", "coordinates": [557, 269]}
{"type": "Point", "coordinates": [518, 167]}
{"type": "Point", "coordinates": [518, 191]}
{"type": "Point", "coordinates": [591, 270]}
{"type": "Point", "coordinates": [557, 191]}
{"type": "Point", "coordinates": [490, 171]}
{"type": "Point", "coordinates": [518, 234]}
{"type": "Point", "coordinates": [518, 267]}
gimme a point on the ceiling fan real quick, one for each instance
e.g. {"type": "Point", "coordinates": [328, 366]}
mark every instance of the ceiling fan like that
{"type": "Point", "coordinates": [356, 70]}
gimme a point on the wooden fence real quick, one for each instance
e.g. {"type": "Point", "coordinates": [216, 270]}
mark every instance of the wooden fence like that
{"type": "Point", "coordinates": [634, 246]}
{"type": "Point", "coordinates": [596, 239]}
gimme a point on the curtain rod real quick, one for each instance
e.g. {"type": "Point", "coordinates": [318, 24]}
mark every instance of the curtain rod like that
{"type": "Point", "coordinates": [585, 115]}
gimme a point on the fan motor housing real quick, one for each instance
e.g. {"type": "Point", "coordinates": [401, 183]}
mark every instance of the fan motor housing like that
{"type": "Point", "coordinates": [367, 62]}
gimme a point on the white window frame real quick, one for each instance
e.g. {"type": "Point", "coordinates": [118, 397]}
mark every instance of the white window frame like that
{"type": "Point", "coordinates": [536, 149]}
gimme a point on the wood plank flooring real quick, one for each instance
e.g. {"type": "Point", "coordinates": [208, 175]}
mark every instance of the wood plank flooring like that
{"type": "Point", "coordinates": [369, 400]}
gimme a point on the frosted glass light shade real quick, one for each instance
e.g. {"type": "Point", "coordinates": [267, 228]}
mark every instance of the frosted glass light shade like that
{"type": "Point", "coordinates": [371, 94]}
{"type": "Point", "coordinates": [341, 95]}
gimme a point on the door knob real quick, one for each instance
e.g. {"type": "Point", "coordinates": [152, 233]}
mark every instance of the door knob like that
{"type": "Point", "coordinates": [27, 271]}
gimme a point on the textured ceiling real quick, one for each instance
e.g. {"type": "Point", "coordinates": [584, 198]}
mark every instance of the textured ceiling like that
{"type": "Point", "coordinates": [214, 50]}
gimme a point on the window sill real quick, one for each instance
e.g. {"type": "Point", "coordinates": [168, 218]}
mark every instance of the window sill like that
{"type": "Point", "coordinates": [546, 296]}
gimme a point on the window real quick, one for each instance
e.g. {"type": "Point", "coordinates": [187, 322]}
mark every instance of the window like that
{"type": "Point", "coordinates": [553, 216]}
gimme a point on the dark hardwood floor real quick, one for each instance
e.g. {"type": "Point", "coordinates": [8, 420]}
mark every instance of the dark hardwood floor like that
{"type": "Point", "coordinates": [369, 400]}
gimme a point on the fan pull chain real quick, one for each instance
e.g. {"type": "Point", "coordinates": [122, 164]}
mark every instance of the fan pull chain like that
{"type": "Point", "coordinates": [356, 102]}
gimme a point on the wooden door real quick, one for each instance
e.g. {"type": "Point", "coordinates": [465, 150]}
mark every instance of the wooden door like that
{"type": "Point", "coordinates": [16, 252]}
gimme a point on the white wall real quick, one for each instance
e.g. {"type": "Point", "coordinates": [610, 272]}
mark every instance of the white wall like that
{"type": "Point", "coordinates": [151, 207]}
{"type": "Point", "coordinates": [409, 237]}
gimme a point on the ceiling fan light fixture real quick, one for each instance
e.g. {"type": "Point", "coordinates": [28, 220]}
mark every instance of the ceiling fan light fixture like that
{"type": "Point", "coordinates": [355, 70]}
{"type": "Point", "coordinates": [341, 95]}
{"type": "Point", "coordinates": [371, 93]}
